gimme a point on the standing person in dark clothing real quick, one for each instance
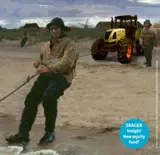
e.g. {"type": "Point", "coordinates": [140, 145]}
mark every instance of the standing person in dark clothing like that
{"type": "Point", "coordinates": [24, 39]}
{"type": "Point", "coordinates": [148, 39]}
{"type": "Point", "coordinates": [51, 83]}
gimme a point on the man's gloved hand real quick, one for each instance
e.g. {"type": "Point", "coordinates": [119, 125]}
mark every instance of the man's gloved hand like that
{"type": "Point", "coordinates": [36, 63]}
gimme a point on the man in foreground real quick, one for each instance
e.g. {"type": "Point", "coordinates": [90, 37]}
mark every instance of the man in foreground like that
{"type": "Point", "coordinates": [50, 85]}
{"type": "Point", "coordinates": [148, 39]}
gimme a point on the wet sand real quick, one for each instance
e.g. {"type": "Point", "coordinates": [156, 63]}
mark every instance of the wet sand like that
{"type": "Point", "coordinates": [77, 141]}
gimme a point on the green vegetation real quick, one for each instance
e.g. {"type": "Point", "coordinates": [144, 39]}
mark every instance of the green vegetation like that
{"type": "Point", "coordinates": [11, 34]}
{"type": "Point", "coordinates": [36, 34]}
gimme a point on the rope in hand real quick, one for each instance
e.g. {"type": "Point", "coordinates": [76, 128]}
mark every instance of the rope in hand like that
{"type": "Point", "coordinates": [28, 80]}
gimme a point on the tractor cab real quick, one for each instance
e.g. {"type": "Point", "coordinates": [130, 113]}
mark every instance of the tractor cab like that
{"type": "Point", "coordinates": [127, 22]}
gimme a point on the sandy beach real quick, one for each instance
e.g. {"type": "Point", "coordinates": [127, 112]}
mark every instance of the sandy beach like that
{"type": "Point", "coordinates": [104, 94]}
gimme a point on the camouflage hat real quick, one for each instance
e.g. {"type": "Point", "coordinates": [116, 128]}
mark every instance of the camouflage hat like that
{"type": "Point", "coordinates": [147, 21]}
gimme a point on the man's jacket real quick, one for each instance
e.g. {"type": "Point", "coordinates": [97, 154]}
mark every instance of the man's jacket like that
{"type": "Point", "coordinates": [64, 53]}
{"type": "Point", "coordinates": [148, 35]}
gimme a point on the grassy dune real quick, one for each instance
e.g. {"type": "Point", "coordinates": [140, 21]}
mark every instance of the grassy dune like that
{"type": "Point", "coordinates": [43, 34]}
{"type": "Point", "coordinates": [36, 35]}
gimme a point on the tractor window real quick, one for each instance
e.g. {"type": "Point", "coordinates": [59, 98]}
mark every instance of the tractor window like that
{"type": "Point", "coordinates": [107, 34]}
{"type": "Point", "coordinates": [114, 35]}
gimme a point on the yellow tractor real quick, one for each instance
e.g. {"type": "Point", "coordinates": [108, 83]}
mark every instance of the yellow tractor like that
{"type": "Point", "coordinates": [123, 37]}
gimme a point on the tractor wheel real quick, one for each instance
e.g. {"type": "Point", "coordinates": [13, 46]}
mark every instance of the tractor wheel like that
{"type": "Point", "coordinates": [139, 50]}
{"type": "Point", "coordinates": [96, 50]}
{"type": "Point", "coordinates": [124, 50]}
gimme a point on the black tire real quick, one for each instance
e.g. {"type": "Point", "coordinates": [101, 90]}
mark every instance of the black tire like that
{"type": "Point", "coordinates": [96, 50]}
{"type": "Point", "coordinates": [139, 50]}
{"type": "Point", "coordinates": [124, 50]}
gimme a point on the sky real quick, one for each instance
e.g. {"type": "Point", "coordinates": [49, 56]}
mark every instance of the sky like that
{"type": "Point", "coordinates": [15, 13]}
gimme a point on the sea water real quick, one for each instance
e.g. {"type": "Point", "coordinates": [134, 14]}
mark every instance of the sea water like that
{"type": "Point", "coordinates": [17, 150]}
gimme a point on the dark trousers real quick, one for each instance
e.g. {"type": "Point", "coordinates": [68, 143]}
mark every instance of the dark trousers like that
{"type": "Point", "coordinates": [46, 89]}
{"type": "Point", "coordinates": [148, 53]}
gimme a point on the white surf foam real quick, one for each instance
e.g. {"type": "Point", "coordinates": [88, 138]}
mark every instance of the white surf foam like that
{"type": "Point", "coordinates": [17, 150]}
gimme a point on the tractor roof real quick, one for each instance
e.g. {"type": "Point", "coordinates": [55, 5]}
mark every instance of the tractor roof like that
{"type": "Point", "coordinates": [126, 17]}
